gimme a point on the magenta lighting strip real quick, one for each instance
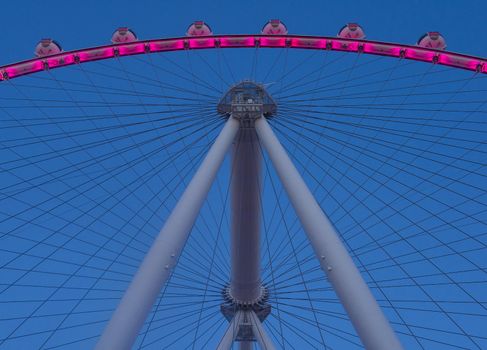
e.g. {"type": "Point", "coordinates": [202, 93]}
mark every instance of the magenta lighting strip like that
{"type": "Point", "coordinates": [410, 52]}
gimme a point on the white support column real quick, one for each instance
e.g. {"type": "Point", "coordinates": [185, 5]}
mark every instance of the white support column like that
{"type": "Point", "coordinates": [260, 334]}
{"type": "Point", "coordinates": [370, 323]}
{"type": "Point", "coordinates": [122, 330]}
{"type": "Point", "coordinates": [231, 332]}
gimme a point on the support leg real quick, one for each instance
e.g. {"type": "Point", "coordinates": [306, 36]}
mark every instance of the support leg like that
{"type": "Point", "coordinates": [154, 271]}
{"type": "Point", "coordinates": [370, 323]}
{"type": "Point", "coordinates": [231, 332]}
{"type": "Point", "coordinates": [260, 334]}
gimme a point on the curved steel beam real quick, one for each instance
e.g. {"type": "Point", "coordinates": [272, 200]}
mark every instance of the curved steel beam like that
{"type": "Point", "coordinates": [410, 52]}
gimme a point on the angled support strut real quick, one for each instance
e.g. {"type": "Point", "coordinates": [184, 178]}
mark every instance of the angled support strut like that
{"type": "Point", "coordinates": [260, 334]}
{"type": "Point", "coordinates": [231, 332]}
{"type": "Point", "coordinates": [370, 323]}
{"type": "Point", "coordinates": [156, 268]}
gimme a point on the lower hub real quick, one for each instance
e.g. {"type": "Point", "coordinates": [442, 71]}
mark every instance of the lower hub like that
{"type": "Point", "coordinates": [260, 306]}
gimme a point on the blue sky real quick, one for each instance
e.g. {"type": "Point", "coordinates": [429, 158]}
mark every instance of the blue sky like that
{"type": "Point", "coordinates": [85, 23]}
{"type": "Point", "coordinates": [384, 190]}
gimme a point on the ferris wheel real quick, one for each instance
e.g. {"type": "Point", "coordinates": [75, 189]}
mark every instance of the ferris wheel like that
{"type": "Point", "coordinates": [309, 192]}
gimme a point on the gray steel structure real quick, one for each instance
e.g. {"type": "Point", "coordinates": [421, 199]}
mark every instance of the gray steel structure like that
{"type": "Point", "coordinates": [245, 284]}
{"type": "Point", "coordinates": [156, 268]}
{"type": "Point", "coordinates": [247, 106]}
{"type": "Point", "coordinates": [370, 323]}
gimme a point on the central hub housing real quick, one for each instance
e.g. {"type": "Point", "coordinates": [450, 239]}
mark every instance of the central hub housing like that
{"type": "Point", "coordinates": [260, 306]}
{"type": "Point", "coordinates": [246, 102]}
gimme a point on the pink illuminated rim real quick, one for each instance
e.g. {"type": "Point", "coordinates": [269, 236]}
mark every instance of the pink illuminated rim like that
{"type": "Point", "coordinates": [451, 59]}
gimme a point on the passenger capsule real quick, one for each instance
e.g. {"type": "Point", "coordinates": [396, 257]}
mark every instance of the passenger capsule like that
{"type": "Point", "coordinates": [123, 35]}
{"type": "Point", "coordinates": [274, 27]}
{"type": "Point", "coordinates": [47, 47]}
{"type": "Point", "coordinates": [432, 40]}
{"type": "Point", "coordinates": [351, 31]}
{"type": "Point", "coordinates": [199, 28]}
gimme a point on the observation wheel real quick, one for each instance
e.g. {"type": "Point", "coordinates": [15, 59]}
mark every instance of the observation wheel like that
{"type": "Point", "coordinates": [308, 192]}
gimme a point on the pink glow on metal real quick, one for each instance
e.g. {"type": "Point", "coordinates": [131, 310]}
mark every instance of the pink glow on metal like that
{"type": "Point", "coordinates": [420, 54]}
{"type": "Point", "coordinates": [271, 41]}
{"type": "Point", "coordinates": [201, 43]}
{"type": "Point", "coordinates": [166, 45]}
{"type": "Point", "coordinates": [96, 54]}
{"type": "Point", "coordinates": [237, 41]}
{"type": "Point", "coordinates": [308, 43]}
{"type": "Point", "coordinates": [11, 73]}
{"type": "Point", "coordinates": [25, 68]}
{"type": "Point", "coordinates": [459, 61]}
{"type": "Point", "coordinates": [228, 41]}
{"type": "Point", "coordinates": [344, 45]}
{"type": "Point", "coordinates": [131, 49]}
{"type": "Point", "coordinates": [63, 60]}
{"type": "Point", "coordinates": [381, 49]}
{"type": "Point", "coordinates": [38, 65]}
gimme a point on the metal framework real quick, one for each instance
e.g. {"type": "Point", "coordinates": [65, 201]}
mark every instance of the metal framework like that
{"type": "Point", "coordinates": [247, 105]}
{"type": "Point", "coordinates": [410, 52]}
{"type": "Point", "coordinates": [162, 257]}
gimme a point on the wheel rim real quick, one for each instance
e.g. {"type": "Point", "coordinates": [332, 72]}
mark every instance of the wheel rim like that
{"type": "Point", "coordinates": [300, 113]}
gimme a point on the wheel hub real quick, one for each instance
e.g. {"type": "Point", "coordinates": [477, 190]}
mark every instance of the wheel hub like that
{"type": "Point", "coordinates": [260, 306]}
